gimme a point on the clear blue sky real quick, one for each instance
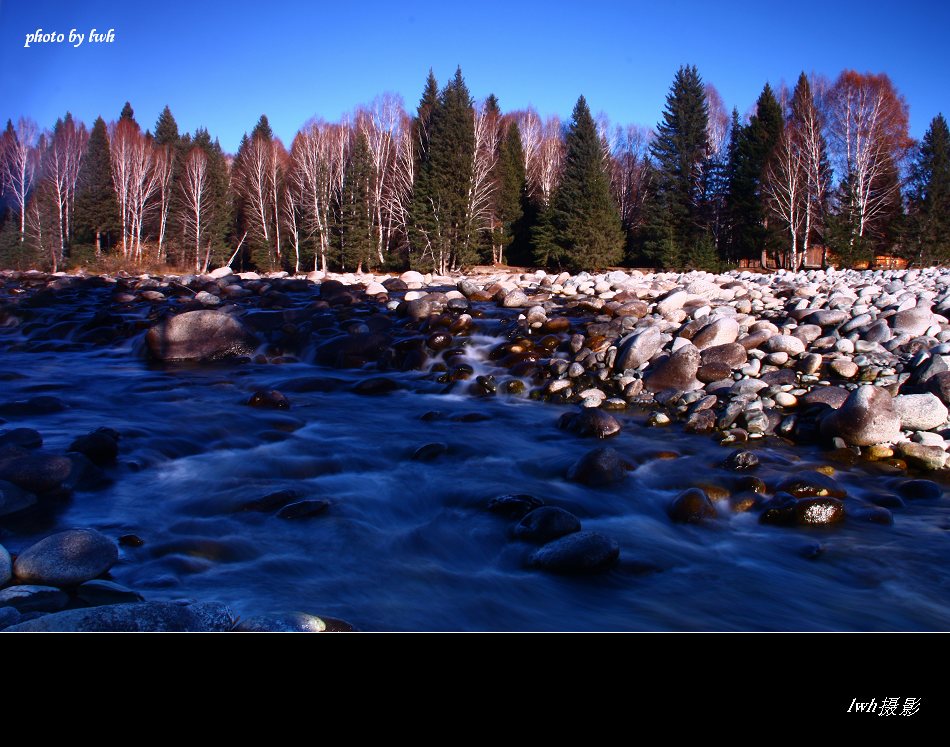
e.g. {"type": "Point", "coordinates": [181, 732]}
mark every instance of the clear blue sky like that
{"type": "Point", "coordinates": [222, 64]}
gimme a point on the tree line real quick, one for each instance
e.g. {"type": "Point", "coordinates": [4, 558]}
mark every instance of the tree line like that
{"type": "Point", "coordinates": [826, 169]}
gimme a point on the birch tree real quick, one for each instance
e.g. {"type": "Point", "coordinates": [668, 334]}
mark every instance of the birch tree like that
{"type": "Point", "coordinates": [195, 201]}
{"type": "Point", "coordinates": [20, 165]}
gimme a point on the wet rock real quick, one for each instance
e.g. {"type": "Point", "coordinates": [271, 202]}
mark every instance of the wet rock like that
{"type": "Point", "coordinates": [547, 523]}
{"type": "Point", "coordinates": [874, 515]}
{"type": "Point", "coordinates": [599, 467]}
{"type": "Point", "coordinates": [269, 399]}
{"type": "Point", "coordinates": [376, 386]}
{"type": "Point", "coordinates": [740, 460]}
{"type": "Point", "coordinates": [38, 473]}
{"type": "Point", "coordinates": [99, 591]}
{"type": "Point", "coordinates": [272, 501]}
{"type": "Point", "coordinates": [514, 506]}
{"type": "Point", "coordinates": [428, 452]}
{"type": "Point", "coordinates": [34, 598]}
{"type": "Point", "coordinates": [920, 412]}
{"type": "Point", "coordinates": [867, 417]}
{"type": "Point", "coordinates": [819, 511]}
{"type": "Point", "coordinates": [921, 456]}
{"type": "Point", "coordinates": [200, 336]}
{"type": "Point", "coordinates": [144, 617]}
{"type": "Point", "coordinates": [636, 349]}
{"type": "Point", "coordinates": [702, 421]}
{"type": "Point", "coordinates": [916, 490]}
{"type": "Point", "coordinates": [809, 483]}
{"type": "Point", "coordinates": [287, 622]}
{"type": "Point", "coordinates": [14, 499]}
{"type": "Point", "coordinates": [303, 509]}
{"type": "Point", "coordinates": [691, 507]}
{"type": "Point", "coordinates": [101, 446]}
{"type": "Point", "coordinates": [580, 552]}
{"type": "Point", "coordinates": [678, 372]}
{"type": "Point", "coordinates": [131, 540]}
{"type": "Point", "coordinates": [515, 299]}
{"type": "Point", "coordinates": [9, 616]}
{"type": "Point", "coordinates": [590, 422]}
{"type": "Point", "coordinates": [6, 567]}
{"type": "Point", "coordinates": [25, 438]}
{"type": "Point", "coordinates": [42, 405]}
{"type": "Point", "coordinates": [67, 558]}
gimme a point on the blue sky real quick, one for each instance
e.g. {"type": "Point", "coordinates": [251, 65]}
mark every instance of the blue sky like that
{"type": "Point", "coordinates": [220, 65]}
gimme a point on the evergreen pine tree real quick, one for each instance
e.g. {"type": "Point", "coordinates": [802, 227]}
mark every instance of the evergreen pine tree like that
{"type": "Point", "coordinates": [262, 129]}
{"type": "Point", "coordinates": [445, 235]}
{"type": "Point", "coordinates": [423, 119]}
{"type": "Point", "coordinates": [97, 212]}
{"type": "Point", "coordinates": [127, 113]}
{"type": "Point", "coordinates": [166, 129]}
{"type": "Point", "coordinates": [511, 194]}
{"type": "Point", "coordinates": [930, 194]}
{"type": "Point", "coordinates": [757, 141]}
{"type": "Point", "coordinates": [674, 214]}
{"type": "Point", "coordinates": [582, 228]}
{"type": "Point", "coordinates": [356, 228]}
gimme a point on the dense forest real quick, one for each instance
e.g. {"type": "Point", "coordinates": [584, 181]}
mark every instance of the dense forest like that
{"type": "Point", "coordinates": [823, 173]}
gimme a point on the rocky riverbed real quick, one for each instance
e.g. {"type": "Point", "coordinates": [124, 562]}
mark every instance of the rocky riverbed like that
{"type": "Point", "coordinates": [238, 452]}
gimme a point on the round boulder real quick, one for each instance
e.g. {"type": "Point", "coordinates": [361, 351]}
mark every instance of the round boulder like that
{"type": "Point", "coordinates": [200, 335]}
{"type": "Point", "coordinates": [67, 559]}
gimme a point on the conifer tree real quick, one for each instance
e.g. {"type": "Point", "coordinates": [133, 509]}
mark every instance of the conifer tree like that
{"type": "Point", "coordinates": [127, 113]}
{"type": "Point", "coordinates": [675, 229]}
{"type": "Point", "coordinates": [262, 129]}
{"type": "Point", "coordinates": [930, 194]}
{"type": "Point", "coordinates": [757, 141]}
{"type": "Point", "coordinates": [445, 234]}
{"type": "Point", "coordinates": [356, 227]}
{"type": "Point", "coordinates": [582, 226]}
{"type": "Point", "coordinates": [511, 194]}
{"type": "Point", "coordinates": [97, 212]}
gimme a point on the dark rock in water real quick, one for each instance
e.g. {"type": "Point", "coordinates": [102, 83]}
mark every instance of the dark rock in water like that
{"type": "Point", "coordinates": [581, 552]}
{"type": "Point", "coordinates": [887, 500]}
{"type": "Point", "coordinates": [598, 467]}
{"type": "Point", "coordinates": [874, 515]}
{"type": "Point", "coordinates": [808, 484]}
{"type": "Point", "coordinates": [303, 509]}
{"type": "Point", "coordinates": [131, 540]}
{"type": "Point", "coordinates": [746, 501]}
{"type": "Point", "coordinates": [439, 341]}
{"type": "Point", "coordinates": [67, 558]}
{"type": "Point", "coordinates": [785, 510]}
{"type": "Point", "coordinates": [514, 506]}
{"type": "Point", "coordinates": [9, 616]}
{"type": "Point", "coordinates": [271, 502]}
{"type": "Point", "coordinates": [25, 438]}
{"type": "Point", "coordinates": [353, 351]}
{"type": "Point", "coordinates": [312, 384]}
{"type": "Point", "coordinates": [428, 452]}
{"type": "Point", "coordinates": [33, 598]}
{"type": "Point", "coordinates": [867, 417]}
{"type": "Point", "coordinates": [547, 523]}
{"type": "Point", "coordinates": [6, 567]}
{"type": "Point", "coordinates": [394, 285]}
{"type": "Point", "coordinates": [700, 422]}
{"type": "Point", "coordinates": [200, 336]}
{"type": "Point", "coordinates": [590, 422]}
{"type": "Point", "coordinates": [38, 473]}
{"type": "Point", "coordinates": [269, 399]}
{"type": "Point", "coordinates": [98, 592]}
{"type": "Point", "coordinates": [915, 490]}
{"type": "Point", "coordinates": [42, 405]}
{"type": "Point", "coordinates": [144, 617]}
{"type": "Point", "coordinates": [741, 460]}
{"type": "Point", "coordinates": [922, 456]}
{"type": "Point", "coordinates": [691, 507]}
{"type": "Point", "coordinates": [819, 511]}
{"type": "Point", "coordinates": [101, 446]}
{"type": "Point", "coordinates": [419, 309]}
{"type": "Point", "coordinates": [378, 385]}
{"type": "Point", "coordinates": [471, 417]}
{"type": "Point", "coordinates": [288, 622]}
{"type": "Point", "coordinates": [677, 372]}
{"type": "Point", "coordinates": [330, 289]}
{"type": "Point", "coordinates": [833, 396]}
{"type": "Point", "coordinates": [14, 499]}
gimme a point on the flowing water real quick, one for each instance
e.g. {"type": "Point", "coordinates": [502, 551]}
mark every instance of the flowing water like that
{"type": "Point", "coordinates": [408, 544]}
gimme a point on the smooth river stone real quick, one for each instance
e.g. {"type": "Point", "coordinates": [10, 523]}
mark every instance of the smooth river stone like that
{"type": "Point", "coordinates": [67, 559]}
{"type": "Point", "coordinates": [867, 417]}
{"type": "Point", "coordinates": [581, 552]}
{"type": "Point", "coordinates": [145, 617]}
{"type": "Point", "coordinates": [200, 335]}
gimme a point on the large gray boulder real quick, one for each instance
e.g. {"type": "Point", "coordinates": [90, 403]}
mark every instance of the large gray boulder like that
{"type": "Point", "coordinates": [867, 417]}
{"type": "Point", "coordinates": [67, 558]}
{"type": "Point", "coordinates": [200, 336]}
{"type": "Point", "coordinates": [637, 348]}
{"type": "Point", "coordinates": [920, 412]}
{"type": "Point", "coordinates": [147, 617]}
